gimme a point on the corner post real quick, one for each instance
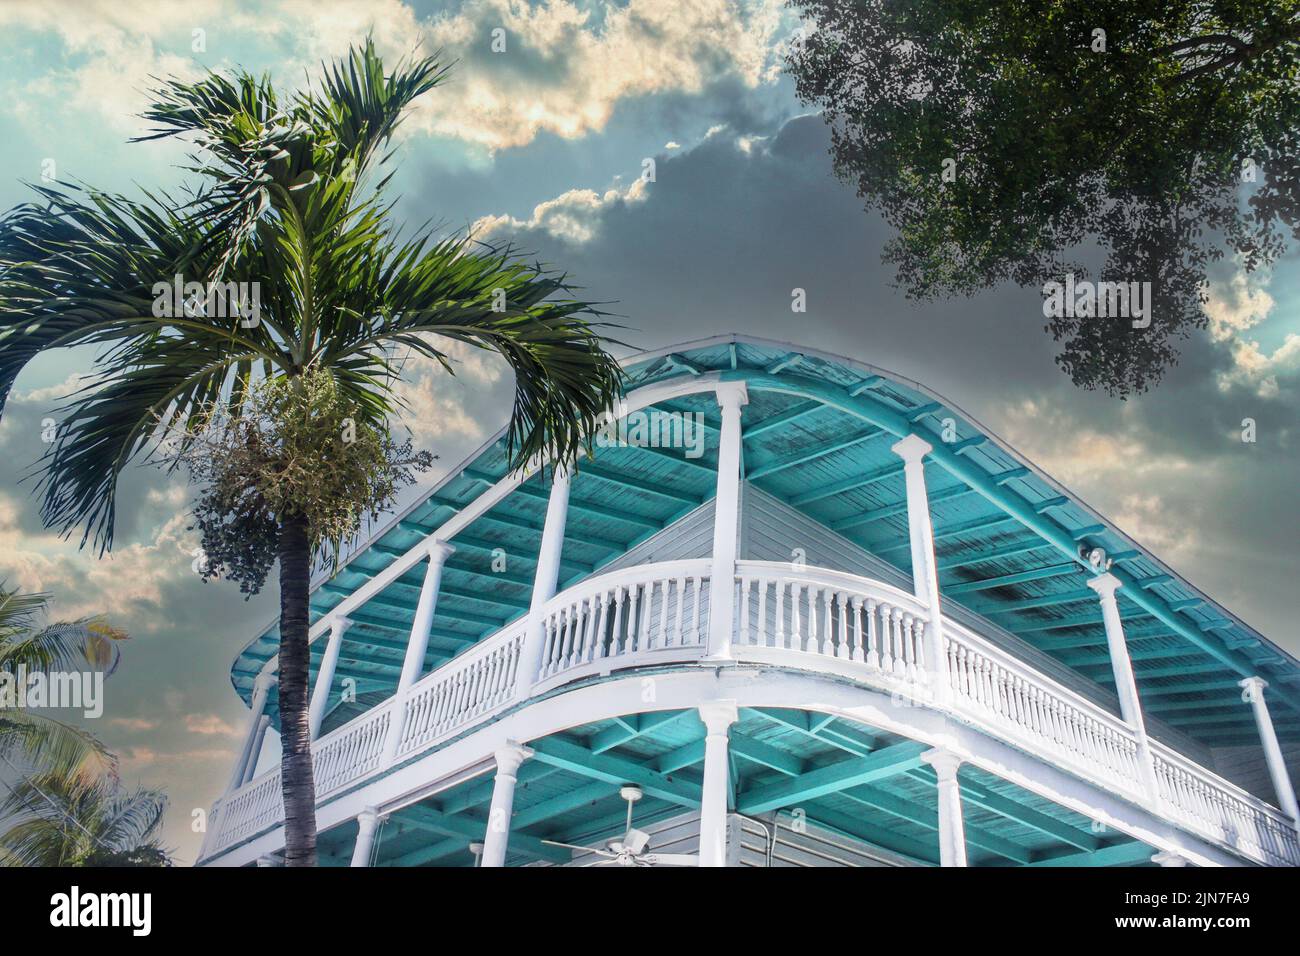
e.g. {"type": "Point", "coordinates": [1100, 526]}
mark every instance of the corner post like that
{"type": "Point", "coordinates": [417, 645]}
{"type": "Point", "coordinates": [732, 396]}
{"type": "Point", "coordinates": [718, 716]}
{"type": "Point", "coordinates": [1130, 706]}
{"type": "Point", "coordinates": [545, 581]}
{"type": "Point", "coordinates": [508, 757]}
{"type": "Point", "coordinates": [367, 821]}
{"type": "Point", "coordinates": [325, 676]}
{"type": "Point", "coordinates": [952, 830]}
{"type": "Point", "coordinates": [1253, 693]}
{"type": "Point", "coordinates": [925, 576]}
{"type": "Point", "coordinates": [250, 768]}
{"type": "Point", "coordinates": [257, 708]}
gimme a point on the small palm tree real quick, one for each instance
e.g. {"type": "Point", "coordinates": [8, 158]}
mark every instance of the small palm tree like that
{"type": "Point", "coordinates": [57, 823]}
{"type": "Point", "coordinates": [31, 739]}
{"type": "Point", "coordinates": [291, 209]}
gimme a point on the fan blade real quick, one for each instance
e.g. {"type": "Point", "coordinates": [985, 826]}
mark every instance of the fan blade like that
{"type": "Point", "coordinates": [671, 859]}
{"type": "Point", "coordinates": [599, 851]}
{"type": "Point", "coordinates": [636, 841]}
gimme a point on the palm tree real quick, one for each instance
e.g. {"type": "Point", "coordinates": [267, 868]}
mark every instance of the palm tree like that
{"type": "Point", "coordinates": [31, 739]}
{"type": "Point", "coordinates": [57, 823]}
{"type": "Point", "coordinates": [291, 199]}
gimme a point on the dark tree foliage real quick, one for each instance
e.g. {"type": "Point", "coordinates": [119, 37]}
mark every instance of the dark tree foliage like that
{"type": "Point", "coordinates": [1170, 147]}
{"type": "Point", "coordinates": [137, 856]}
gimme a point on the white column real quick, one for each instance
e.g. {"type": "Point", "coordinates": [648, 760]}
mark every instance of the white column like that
{"type": "Point", "coordinates": [1130, 707]}
{"type": "Point", "coordinates": [325, 676]}
{"type": "Point", "coordinates": [257, 707]}
{"type": "Point", "coordinates": [732, 396]}
{"type": "Point", "coordinates": [367, 822]}
{"type": "Point", "coordinates": [952, 831]}
{"type": "Point", "coordinates": [718, 716]}
{"type": "Point", "coordinates": [1253, 693]}
{"type": "Point", "coordinates": [509, 758]}
{"type": "Point", "coordinates": [546, 580]}
{"type": "Point", "coordinates": [250, 768]}
{"type": "Point", "coordinates": [1167, 858]}
{"type": "Point", "coordinates": [267, 861]}
{"type": "Point", "coordinates": [413, 665]}
{"type": "Point", "coordinates": [925, 576]}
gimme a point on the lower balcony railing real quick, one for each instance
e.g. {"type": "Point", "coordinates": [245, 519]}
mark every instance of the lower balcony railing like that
{"type": "Point", "coordinates": [808, 618]}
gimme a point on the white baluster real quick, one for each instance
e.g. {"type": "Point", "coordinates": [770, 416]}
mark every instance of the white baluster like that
{"type": "Point", "coordinates": [843, 651]}
{"type": "Point", "coordinates": [681, 598]}
{"type": "Point", "coordinates": [796, 632]}
{"type": "Point", "coordinates": [616, 639]}
{"type": "Point", "coordinates": [781, 639]}
{"type": "Point", "coordinates": [742, 608]}
{"type": "Point", "coordinates": [633, 604]}
{"type": "Point", "coordinates": [878, 635]}
{"type": "Point", "coordinates": [601, 649]}
{"type": "Point", "coordinates": [859, 648]}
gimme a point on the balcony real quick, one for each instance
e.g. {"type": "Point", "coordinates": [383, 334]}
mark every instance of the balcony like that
{"type": "Point", "coordinates": [812, 620]}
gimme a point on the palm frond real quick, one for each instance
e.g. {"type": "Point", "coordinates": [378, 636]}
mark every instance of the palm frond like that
{"type": "Point", "coordinates": [68, 751]}
{"type": "Point", "coordinates": [18, 611]}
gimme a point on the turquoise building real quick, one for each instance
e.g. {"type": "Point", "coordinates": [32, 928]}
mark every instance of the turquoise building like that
{"type": "Point", "coordinates": [793, 610]}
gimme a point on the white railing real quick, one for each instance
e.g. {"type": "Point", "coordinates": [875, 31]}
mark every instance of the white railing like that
{"type": "Point", "coordinates": [466, 689]}
{"type": "Point", "coordinates": [350, 752]}
{"type": "Point", "coordinates": [816, 611]}
{"type": "Point", "coordinates": [811, 618]}
{"type": "Point", "coordinates": [627, 618]}
{"type": "Point", "coordinates": [993, 688]}
{"type": "Point", "coordinates": [1210, 805]}
{"type": "Point", "coordinates": [252, 808]}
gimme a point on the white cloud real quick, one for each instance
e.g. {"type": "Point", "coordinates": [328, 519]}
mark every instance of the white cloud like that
{"type": "Point", "coordinates": [210, 725]}
{"type": "Point", "coordinates": [113, 53]}
{"type": "Point", "coordinates": [563, 74]}
{"type": "Point", "coordinates": [1257, 369]}
{"type": "Point", "coordinates": [436, 401]}
{"type": "Point", "coordinates": [563, 70]}
{"type": "Point", "coordinates": [574, 216]}
{"type": "Point", "coordinates": [82, 584]}
{"type": "Point", "coordinates": [1234, 308]}
{"type": "Point", "coordinates": [1115, 471]}
{"type": "Point", "coordinates": [1242, 303]}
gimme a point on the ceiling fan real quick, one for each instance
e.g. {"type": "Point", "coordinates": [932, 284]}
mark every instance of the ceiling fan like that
{"type": "Point", "coordinates": [631, 849]}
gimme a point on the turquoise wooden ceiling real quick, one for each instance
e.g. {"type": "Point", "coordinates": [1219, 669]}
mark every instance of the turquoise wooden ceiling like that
{"type": "Point", "coordinates": [843, 776]}
{"type": "Point", "coordinates": [995, 557]}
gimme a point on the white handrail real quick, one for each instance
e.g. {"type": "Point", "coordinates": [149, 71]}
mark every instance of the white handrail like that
{"type": "Point", "coordinates": [787, 609]}
{"type": "Point", "coordinates": [621, 618]}
{"type": "Point", "coordinates": [468, 687]}
{"type": "Point", "coordinates": [814, 618]}
{"type": "Point", "coordinates": [991, 686]}
{"type": "Point", "coordinates": [1215, 807]}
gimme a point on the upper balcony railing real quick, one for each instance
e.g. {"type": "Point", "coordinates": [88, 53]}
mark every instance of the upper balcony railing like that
{"type": "Point", "coordinates": [807, 618]}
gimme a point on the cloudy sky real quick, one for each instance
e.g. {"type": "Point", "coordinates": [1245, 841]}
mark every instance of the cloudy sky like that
{"type": "Point", "coordinates": [546, 142]}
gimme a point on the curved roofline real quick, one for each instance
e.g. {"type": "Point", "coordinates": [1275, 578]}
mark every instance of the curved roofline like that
{"type": "Point", "coordinates": [868, 368]}
{"type": "Point", "coordinates": [634, 359]}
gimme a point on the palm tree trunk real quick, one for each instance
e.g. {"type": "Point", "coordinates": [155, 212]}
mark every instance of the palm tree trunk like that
{"type": "Point", "coordinates": [296, 778]}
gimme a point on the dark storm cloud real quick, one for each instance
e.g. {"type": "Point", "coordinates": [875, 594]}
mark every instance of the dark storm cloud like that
{"type": "Point", "coordinates": [725, 233]}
